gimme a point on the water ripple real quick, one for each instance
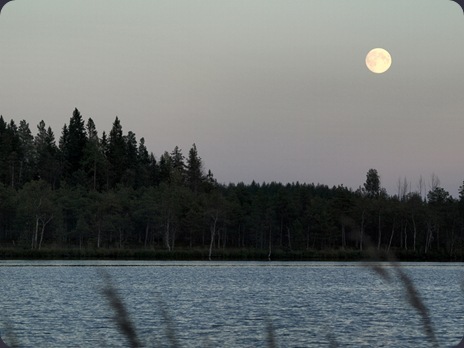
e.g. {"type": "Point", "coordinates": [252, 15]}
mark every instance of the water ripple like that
{"type": "Point", "coordinates": [59, 303]}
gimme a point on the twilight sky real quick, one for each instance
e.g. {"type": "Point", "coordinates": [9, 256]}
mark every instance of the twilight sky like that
{"type": "Point", "coordinates": [270, 90]}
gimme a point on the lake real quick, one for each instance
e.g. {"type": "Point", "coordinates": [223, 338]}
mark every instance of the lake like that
{"type": "Point", "coordinates": [227, 304]}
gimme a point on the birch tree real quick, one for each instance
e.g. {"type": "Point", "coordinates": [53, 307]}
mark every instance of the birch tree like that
{"type": "Point", "coordinates": [38, 207]}
{"type": "Point", "coordinates": [170, 206]}
{"type": "Point", "coordinates": [215, 211]}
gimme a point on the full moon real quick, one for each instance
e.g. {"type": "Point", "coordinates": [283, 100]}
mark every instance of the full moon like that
{"type": "Point", "coordinates": [378, 60]}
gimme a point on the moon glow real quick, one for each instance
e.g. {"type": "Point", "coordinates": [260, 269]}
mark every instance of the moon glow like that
{"type": "Point", "coordinates": [378, 60]}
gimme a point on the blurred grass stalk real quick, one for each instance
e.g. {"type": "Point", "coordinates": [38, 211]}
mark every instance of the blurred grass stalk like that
{"type": "Point", "coordinates": [410, 292]}
{"type": "Point", "coordinates": [121, 315]}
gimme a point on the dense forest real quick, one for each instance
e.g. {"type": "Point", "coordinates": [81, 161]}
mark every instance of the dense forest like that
{"type": "Point", "coordinates": [87, 191]}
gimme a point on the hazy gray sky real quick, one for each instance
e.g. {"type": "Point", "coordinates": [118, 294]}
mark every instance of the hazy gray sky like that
{"type": "Point", "coordinates": [270, 90]}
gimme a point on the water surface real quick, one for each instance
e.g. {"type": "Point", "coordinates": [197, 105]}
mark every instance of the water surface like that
{"type": "Point", "coordinates": [227, 304]}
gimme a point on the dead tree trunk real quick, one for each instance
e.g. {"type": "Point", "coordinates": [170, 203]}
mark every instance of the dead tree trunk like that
{"type": "Point", "coordinates": [120, 237]}
{"type": "Point", "coordinates": [212, 227]}
{"type": "Point", "coordinates": [289, 238]}
{"type": "Point", "coordinates": [95, 174]}
{"type": "Point", "coordinates": [270, 244]}
{"type": "Point", "coordinates": [166, 235]}
{"type": "Point", "coordinates": [147, 228]}
{"type": "Point", "coordinates": [44, 224]}
{"type": "Point", "coordinates": [379, 235]}
{"type": "Point", "coordinates": [99, 236]}
{"type": "Point", "coordinates": [391, 236]}
{"type": "Point", "coordinates": [36, 234]}
{"type": "Point", "coordinates": [361, 232]}
{"type": "Point", "coordinates": [428, 237]}
{"type": "Point", "coordinates": [415, 232]}
{"type": "Point", "coordinates": [173, 238]}
{"type": "Point", "coordinates": [405, 236]}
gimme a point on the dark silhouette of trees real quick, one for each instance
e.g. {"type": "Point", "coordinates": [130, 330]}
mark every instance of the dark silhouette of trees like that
{"type": "Point", "coordinates": [112, 192]}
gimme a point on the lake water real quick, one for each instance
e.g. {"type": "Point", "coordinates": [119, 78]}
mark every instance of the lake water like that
{"type": "Point", "coordinates": [227, 304]}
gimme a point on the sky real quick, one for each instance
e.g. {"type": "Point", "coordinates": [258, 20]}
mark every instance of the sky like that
{"type": "Point", "coordinates": [268, 90]}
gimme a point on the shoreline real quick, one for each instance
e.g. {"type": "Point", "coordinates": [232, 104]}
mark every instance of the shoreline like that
{"type": "Point", "coordinates": [201, 254]}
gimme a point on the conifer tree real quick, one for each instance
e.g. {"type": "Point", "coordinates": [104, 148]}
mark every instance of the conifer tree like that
{"type": "Point", "coordinates": [116, 153]}
{"type": "Point", "coordinates": [143, 165]}
{"type": "Point", "coordinates": [93, 160]}
{"type": "Point", "coordinates": [178, 166]}
{"type": "Point", "coordinates": [104, 145]}
{"type": "Point", "coordinates": [27, 164]}
{"type": "Point", "coordinates": [165, 167]}
{"type": "Point", "coordinates": [4, 150]}
{"type": "Point", "coordinates": [9, 152]}
{"type": "Point", "coordinates": [74, 143]}
{"type": "Point", "coordinates": [194, 169]}
{"type": "Point", "coordinates": [48, 167]}
{"type": "Point", "coordinates": [131, 159]}
{"type": "Point", "coordinates": [154, 170]}
{"type": "Point", "coordinates": [372, 184]}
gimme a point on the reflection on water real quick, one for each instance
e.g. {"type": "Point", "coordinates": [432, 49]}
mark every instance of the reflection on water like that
{"type": "Point", "coordinates": [60, 304]}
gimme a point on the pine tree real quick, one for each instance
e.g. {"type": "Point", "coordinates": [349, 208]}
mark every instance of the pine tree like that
{"type": "Point", "coordinates": [48, 167]}
{"type": "Point", "coordinates": [165, 167]}
{"type": "Point", "coordinates": [4, 150]}
{"type": "Point", "coordinates": [154, 171]}
{"type": "Point", "coordinates": [93, 161]}
{"type": "Point", "coordinates": [194, 169]}
{"type": "Point", "coordinates": [131, 161]}
{"type": "Point", "coordinates": [27, 164]}
{"type": "Point", "coordinates": [143, 165]}
{"type": "Point", "coordinates": [104, 145]}
{"type": "Point", "coordinates": [372, 184]}
{"type": "Point", "coordinates": [178, 166]}
{"type": "Point", "coordinates": [116, 153]}
{"type": "Point", "coordinates": [9, 153]}
{"type": "Point", "coordinates": [75, 143]}
{"type": "Point", "coordinates": [64, 139]}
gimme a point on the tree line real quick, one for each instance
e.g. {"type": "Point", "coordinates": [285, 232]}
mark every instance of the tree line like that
{"type": "Point", "coordinates": [109, 191]}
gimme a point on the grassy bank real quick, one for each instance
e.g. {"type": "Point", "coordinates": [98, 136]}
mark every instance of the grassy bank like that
{"type": "Point", "coordinates": [56, 253]}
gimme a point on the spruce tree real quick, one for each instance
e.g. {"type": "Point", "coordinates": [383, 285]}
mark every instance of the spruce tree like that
{"type": "Point", "coordinates": [178, 166]}
{"type": "Point", "coordinates": [4, 150]}
{"type": "Point", "coordinates": [76, 142]}
{"type": "Point", "coordinates": [130, 172]}
{"type": "Point", "coordinates": [9, 152]}
{"type": "Point", "coordinates": [165, 167]}
{"type": "Point", "coordinates": [194, 169]}
{"type": "Point", "coordinates": [372, 184]}
{"type": "Point", "coordinates": [154, 170]}
{"type": "Point", "coordinates": [93, 161]}
{"type": "Point", "coordinates": [143, 165]}
{"type": "Point", "coordinates": [27, 158]}
{"type": "Point", "coordinates": [48, 167]}
{"type": "Point", "coordinates": [116, 153]}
